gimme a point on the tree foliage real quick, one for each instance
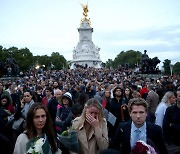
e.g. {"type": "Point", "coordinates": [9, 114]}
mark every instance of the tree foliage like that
{"type": "Point", "coordinates": [23, 57]}
{"type": "Point", "coordinates": [166, 66]}
{"type": "Point", "coordinates": [109, 63]}
{"type": "Point", "coordinates": [130, 58]}
{"type": "Point", "coordinates": [26, 60]}
{"type": "Point", "coordinates": [176, 68]}
{"type": "Point", "coordinates": [58, 61]}
{"type": "Point", "coordinates": [43, 60]}
{"type": "Point", "coordinates": [3, 53]}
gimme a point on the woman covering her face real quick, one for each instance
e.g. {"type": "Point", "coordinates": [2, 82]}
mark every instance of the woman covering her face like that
{"type": "Point", "coordinates": [92, 128]}
{"type": "Point", "coordinates": [39, 132]}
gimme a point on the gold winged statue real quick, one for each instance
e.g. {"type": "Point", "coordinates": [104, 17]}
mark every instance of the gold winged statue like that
{"type": "Point", "coordinates": [85, 13]}
{"type": "Point", "coordinates": [85, 9]}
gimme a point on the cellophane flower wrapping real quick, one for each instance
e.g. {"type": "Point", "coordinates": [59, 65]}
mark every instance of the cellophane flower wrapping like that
{"type": "Point", "coordinates": [143, 148]}
{"type": "Point", "coordinates": [70, 141]}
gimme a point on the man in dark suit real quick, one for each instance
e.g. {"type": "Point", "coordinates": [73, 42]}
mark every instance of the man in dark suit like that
{"type": "Point", "coordinates": [126, 133]}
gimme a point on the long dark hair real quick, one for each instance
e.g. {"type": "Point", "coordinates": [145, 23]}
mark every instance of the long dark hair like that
{"type": "Point", "coordinates": [48, 130]}
{"type": "Point", "coordinates": [130, 93]}
{"type": "Point", "coordinates": [8, 101]}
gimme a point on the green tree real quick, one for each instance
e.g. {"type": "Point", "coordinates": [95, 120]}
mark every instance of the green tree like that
{"type": "Point", "coordinates": [166, 66]}
{"type": "Point", "coordinates": [12, 51]}
{"type": "Point", "coordinates": [24, 58]}
{"type": "Point", "coordinates": [4, 54]}
{"type": "Point", "coordinates": [129, 57]}
{"type": "Point", "coordinates": [43, 60]}
{"type": "Point", "coordinates": [58, 61]}
{"type": "Point", "coordinates": [109, 63]}
{"type": "Point", "coordinates": [176, 68]}
{"type": "Point", "coordinates": [103, 64]}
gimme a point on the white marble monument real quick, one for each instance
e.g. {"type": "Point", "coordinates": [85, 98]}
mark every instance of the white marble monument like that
{"type": "Point", "coordinates": [86, 53]}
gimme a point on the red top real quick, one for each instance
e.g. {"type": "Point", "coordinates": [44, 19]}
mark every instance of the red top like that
{"type": "Point", "coordinates": [143, 91]}
{"type": "Point", "coordinates": [11, 108]}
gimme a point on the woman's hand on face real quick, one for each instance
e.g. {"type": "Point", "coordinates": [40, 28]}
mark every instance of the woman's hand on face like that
{"type": "Point", "coordinates": [94, 122]}
{"type": "Point", "coordinates": [22, 103]}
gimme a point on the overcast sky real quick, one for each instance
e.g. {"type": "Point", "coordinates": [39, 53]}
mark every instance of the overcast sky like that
{"type": "Point", "coordinates": [46, 26]}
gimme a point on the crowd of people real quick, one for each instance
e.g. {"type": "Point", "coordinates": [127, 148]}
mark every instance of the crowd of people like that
{"type": "Point", "coordinates": [106, 107]}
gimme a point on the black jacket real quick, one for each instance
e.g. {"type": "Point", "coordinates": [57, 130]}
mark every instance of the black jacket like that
{"type": "Point", "coordinates": [123, 133]}
{"type": "Point", "coordinates": [52, 108]}
{"type": "Point", "coordinates": [171, 125]}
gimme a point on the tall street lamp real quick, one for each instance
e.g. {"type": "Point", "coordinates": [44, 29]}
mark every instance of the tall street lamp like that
{"type": "Point", "coordinates": [171, 68]}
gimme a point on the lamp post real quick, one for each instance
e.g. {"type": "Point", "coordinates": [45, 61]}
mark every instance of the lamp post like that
{"type": "Point", "coordinates": [171, 68]}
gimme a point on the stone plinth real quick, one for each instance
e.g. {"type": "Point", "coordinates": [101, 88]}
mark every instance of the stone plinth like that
{"type": "Point", "coordinates": [86, 53]}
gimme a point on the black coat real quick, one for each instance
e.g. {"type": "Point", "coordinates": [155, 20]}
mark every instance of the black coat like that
{"type": "Point", "coordinates": [123, 134]}
{"type": "Point", "coordinates": [3, 120]}
{"type": "Point", "coordinates": [52, 108]}
{"type": "Point", "coordinates": [172, 132]}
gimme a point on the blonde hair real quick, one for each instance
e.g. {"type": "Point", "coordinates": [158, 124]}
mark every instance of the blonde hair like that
{"type": "Point", "coordinates": [167, 96]}
{"type": "Point", "coordinates": [93, 102]}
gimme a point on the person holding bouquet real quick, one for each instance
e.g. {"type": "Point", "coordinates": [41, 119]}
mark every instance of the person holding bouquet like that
{"type": "Point", "coordinates": [91, 128]}
{"type": "Point", "coordinates": [129, 133]}
{"type": "Point", "coordinates": [39, 136]}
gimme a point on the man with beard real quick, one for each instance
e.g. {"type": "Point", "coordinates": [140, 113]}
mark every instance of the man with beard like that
{"type": "Point", "coordinates": [55, 87]}
{"type": "Point", "coordinates": [171, 126]}
{"type": "Point", "coordinates": [116, 109]}
{"type": "Point", "coordinates": [52, 106]}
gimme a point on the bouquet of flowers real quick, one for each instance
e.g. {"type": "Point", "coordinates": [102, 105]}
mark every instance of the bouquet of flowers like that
{"type": "Point", "coordinates": [143, 148]}
{"type": "Point", "coordinates": [36, 146]}
{"type": "Point", "coordinates": [69, 139]}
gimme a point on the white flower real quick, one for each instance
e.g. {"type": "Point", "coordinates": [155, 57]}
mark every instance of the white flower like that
{"type": "Point", "coordinates": [37, 146]}
{"type": "Point", "coordinates": [30, 150]}
{"type": "Point", "coordinates": [39, 142]}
